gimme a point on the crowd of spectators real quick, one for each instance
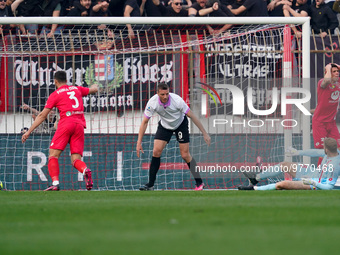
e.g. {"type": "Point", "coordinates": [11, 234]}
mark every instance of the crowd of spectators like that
{"type": "Point", "coordinates": [323, 13]}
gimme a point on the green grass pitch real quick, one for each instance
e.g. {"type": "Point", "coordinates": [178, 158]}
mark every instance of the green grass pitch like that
{"type": "Point", "coordinates": [170, 222]}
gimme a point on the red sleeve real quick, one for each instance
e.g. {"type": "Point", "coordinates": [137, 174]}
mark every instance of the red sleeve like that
{"type": "Point", "coordinates": [84, 91]}
{"type": "Point", "coordinates": [50, 101]}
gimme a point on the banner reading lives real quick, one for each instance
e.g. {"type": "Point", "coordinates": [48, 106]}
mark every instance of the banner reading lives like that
{"type": "Point", "coordinates": [126, 82]}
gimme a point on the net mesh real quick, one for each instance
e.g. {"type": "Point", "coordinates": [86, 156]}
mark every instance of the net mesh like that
{"type": "Point", "coordinates": [128, 71]}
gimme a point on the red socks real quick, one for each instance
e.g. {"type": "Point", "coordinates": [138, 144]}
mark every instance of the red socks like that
{"type": "Point", "coordinates": [53, 168]}
{"type": "Point", "coordinates": [79, 165]}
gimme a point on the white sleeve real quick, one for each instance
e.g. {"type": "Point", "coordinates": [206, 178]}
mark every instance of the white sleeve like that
{"type": "Point", "coordinates": [184, 107]}
{"type": "Point", "coordinates": [149, 110]}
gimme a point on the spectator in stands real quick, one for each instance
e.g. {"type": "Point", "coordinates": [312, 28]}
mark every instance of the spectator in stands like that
{"type": "Point", "coordinates": [24, 130]}
{"type": "Point", "coordinates": [50, 124]}
{"type": "Point", "coordinates": [14, 7]}
{"type": "Point", "coordinates": [116, 7]}
{"type": "Point", "coordinates": [227, 2]}
{"type": "Point", "coordinates": [200, 8]}
{"type": "Point", "coordinates": [132, 9]}
{"type": "Point", "coordinates": [27, 8]}
{"type": "Point", "coordinates": [253, 8]}
{"type": "Point", "coordinates": [66, 6]}
{"type": "Point", "coordinates": [212, 8]}
{"type": "Point", "coordinates": [175, 9]}
{"type": "Point", "coordinates": [151, 10]}
{"type": "Point", "coordinates": [336, 6]}
{"type": "Point", "coordinates": [81, 9]}
{"type": "Point", "coordinates": [39, 8]}
{"type": "Point", "coordinates": [222, 11]}
{"type": "Point", "coordinates": [101, 9]}
{"type": "Point", "coordinates": [275, 7]}
{"type": "Point", "coordinates": [5, 11]}
{"type": "Point", "coordinates": [299, 9]}
{"type": "Point", "coordinates": [51, 8]}
{"type": "Point", "coordinates": [323, 19]}
{"type": "Point", "coordinates": [330, 3]}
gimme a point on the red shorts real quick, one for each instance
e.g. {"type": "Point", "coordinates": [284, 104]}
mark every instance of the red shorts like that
{"type": "Point", "coordinates": [322, 130]}
{"type": "Point", "coordinates": [72, 133]}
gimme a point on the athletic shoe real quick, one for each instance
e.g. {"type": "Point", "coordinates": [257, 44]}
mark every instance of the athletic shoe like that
{"type": "Point", "coordinates": [251, 177]}
{"type": "Point", "coordinates": [200, 187]}
{"type": "Point", "coordinates": [250, 187]}
{"type": "Point", "coordinates": [53, 188]}
{"type": "Point", "coordinates": [88, 179]}
{"type": "Point", "coordinates": [146, 187]}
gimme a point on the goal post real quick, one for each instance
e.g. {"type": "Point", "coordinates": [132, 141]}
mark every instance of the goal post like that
{"type": "Point", "coordinates": [247, 58]}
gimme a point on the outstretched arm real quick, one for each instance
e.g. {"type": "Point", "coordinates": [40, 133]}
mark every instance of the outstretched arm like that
{"type": "Point", "coordinates": [93, 89]}
{"type": "Point", "coordinates": [39, 119]}
{"type": "Point", "coordinates": [290, 152]}
{"type": "Point", "coordinates": [141, 133]}
{"type": "Point", "coordinates": [197, 122]}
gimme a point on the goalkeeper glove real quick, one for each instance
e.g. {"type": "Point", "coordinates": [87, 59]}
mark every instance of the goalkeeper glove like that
{"type": "Point", "coordinates": [309, 182]}
{"type": "Point", "coordinates": [290, 152]}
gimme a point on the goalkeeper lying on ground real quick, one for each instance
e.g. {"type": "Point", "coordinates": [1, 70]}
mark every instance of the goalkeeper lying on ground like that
{"type": "Point", "coordinates": [305, 177]}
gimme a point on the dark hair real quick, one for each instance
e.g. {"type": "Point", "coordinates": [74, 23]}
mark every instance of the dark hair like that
{"type": "Point", "coordinates": [60, 76]}
{"type": "Point", "coordinates": [330, 144]}
{"type": "Point", "coordinates": [24, 130]}
{"type": "Point", "coordinates": [162, 86]}
{"type": "Point", "coordinates": [334, 65]}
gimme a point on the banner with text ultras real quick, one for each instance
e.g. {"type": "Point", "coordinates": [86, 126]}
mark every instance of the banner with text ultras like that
{"type": "Point", "coordinates": [126, 81]}
{"type": "Point", "coordinates": [249, 60]}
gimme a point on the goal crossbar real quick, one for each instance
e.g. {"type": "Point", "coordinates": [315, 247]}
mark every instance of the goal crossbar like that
{"type": "Point", "coordinates": [154, 20]}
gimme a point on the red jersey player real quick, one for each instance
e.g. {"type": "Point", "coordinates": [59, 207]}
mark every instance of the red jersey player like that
{"type": "Point", "coordinates": [68, 100]}
{"type": "Point", "coordinates": [323, 122]}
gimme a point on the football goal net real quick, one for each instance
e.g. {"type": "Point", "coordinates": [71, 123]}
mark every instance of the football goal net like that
{"type": "Point", "coordinates": [246, 84]}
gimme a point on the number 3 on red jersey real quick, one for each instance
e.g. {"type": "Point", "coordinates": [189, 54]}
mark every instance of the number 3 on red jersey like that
{"type": "Point", "coordinates": [72, 97]}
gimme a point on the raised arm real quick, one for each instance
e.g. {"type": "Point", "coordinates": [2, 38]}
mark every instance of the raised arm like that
{"type": "Point", "coordinates": [127, 13]}
{"type": "Point", "coordinates": [141, 7]}
{"type": "Point", "coordinates": [197, 122]}
{"type": "Point", "coordinates": [15, 5]}
{"type": "Point", "coordinates": [206, 11]}
{"type": "Point", "coordinates": [327, 79]}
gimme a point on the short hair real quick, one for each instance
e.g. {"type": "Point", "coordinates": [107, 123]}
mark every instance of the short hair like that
{"type": "Point", "coordinates": [334, 65]}
{"type": "Point", "coordinates": [330, 144]}
{"type": "Point", "coordinates": [162, 86]}
{"type": "Point", "coordinates": [24, 130]}
{"type": "Point", "coordinates": [60, 76]}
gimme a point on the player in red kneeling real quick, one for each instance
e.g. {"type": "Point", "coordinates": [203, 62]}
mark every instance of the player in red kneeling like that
{"type": "Point", "coordinates": [68, 100]}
